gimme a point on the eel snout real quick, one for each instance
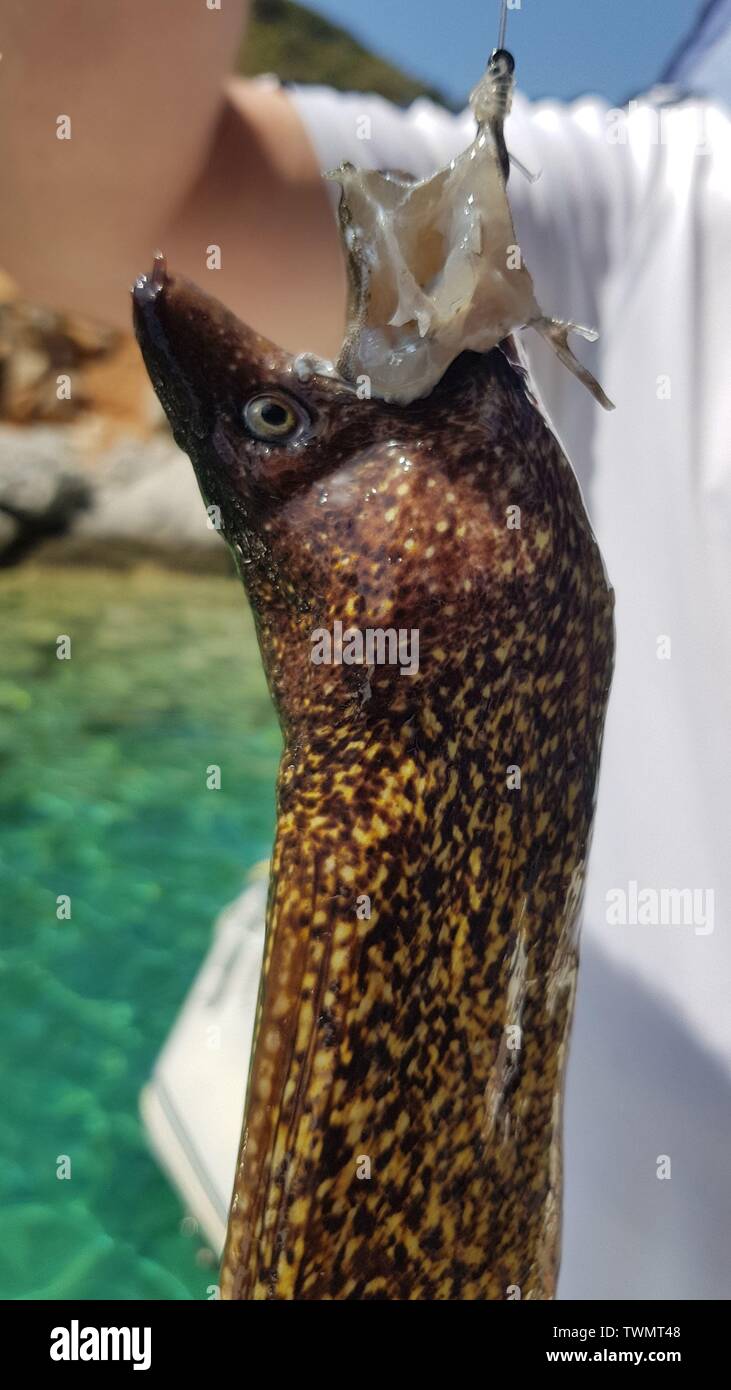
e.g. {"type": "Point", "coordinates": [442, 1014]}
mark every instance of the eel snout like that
{"type": "Point", "coordinates": [202, 360]}
{"type": "Point", "coordinates": [207, 368]}
{"type": "Point", "coordinates": [147, 287]}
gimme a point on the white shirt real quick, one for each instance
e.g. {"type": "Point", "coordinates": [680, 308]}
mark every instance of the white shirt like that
{"type": "Point", "coordinates": [632, 238]}
{"type": "Point", "coordinates": [628, 230]}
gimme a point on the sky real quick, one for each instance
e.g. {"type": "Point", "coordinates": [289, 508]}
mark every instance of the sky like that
{"type": "Point", "coordinates": [562, 48]}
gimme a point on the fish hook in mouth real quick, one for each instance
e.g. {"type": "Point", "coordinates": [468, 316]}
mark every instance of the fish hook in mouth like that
{"type": "Point", "coordinates": [147, 288]}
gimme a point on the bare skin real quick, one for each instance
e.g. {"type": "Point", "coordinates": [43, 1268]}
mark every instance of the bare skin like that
{"type": "Point", "coordinates": [166, 149]}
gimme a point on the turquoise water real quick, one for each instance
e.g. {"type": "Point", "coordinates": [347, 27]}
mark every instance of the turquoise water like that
{"type": "Point", "coordinates": [103, 797]}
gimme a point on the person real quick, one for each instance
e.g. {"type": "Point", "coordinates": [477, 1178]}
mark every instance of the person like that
{"type": "Point", "coordinates": [626, 229]}
{"type": "Point", "coordinates": [165, 149]}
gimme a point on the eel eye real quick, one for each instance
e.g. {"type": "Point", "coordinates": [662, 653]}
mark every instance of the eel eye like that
{"type": "Point", "coordinates": [273, 417]}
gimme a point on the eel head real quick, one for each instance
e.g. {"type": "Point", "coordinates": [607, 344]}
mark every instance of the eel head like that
{"type": "Point", "coordinates": [341, 508]}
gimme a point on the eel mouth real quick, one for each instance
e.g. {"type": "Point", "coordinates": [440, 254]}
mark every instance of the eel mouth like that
{"type": "Point", "coordinates": [183, 329]}
{"type": "Point", "coordinates": [147, 287]}
{"type": "Point", "coordinates": [202, 360]}
{"type": "Point", "coordinates": [161, 306]}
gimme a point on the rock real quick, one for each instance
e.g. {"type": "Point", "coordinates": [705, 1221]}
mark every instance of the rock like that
{"type": "Point", "coordinates": [133, 496]}
{"type": "Point", "coordinates": [90, 472]}
{"type": "Point", "coordinates": [37, 345]}
{"type": "Point", "coordinates": [9, 532]}
{"type": "Point", "coordinates": [147, 492]}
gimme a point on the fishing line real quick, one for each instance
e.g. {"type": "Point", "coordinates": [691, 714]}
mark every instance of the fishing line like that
{"type": "Point", "coordinates": [503, 24]}
{"type": "Point", "coordinates": [501, 67]}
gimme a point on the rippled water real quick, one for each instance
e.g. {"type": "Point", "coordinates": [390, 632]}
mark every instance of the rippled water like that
{"type": "Point", "coordinates": [103, 797]}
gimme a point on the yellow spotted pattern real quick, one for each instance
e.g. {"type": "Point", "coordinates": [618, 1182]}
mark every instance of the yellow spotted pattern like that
{"type": "Point", "coordinates": [397, 1143]}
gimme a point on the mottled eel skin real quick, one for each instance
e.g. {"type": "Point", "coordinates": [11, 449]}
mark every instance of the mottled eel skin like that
{"type": "Point", "coordinates": [383, 1044]}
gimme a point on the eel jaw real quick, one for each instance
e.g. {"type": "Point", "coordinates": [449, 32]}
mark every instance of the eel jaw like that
{"type": "Point", "coordinates": [147, 287]}
{"type": "Point", "coordinates": [202, 360]}
{"type": "Point", "coordinates": [158, 311]}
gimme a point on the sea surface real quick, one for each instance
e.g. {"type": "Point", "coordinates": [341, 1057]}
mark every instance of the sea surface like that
{"type": "Point", "coordinates": [103, 798]}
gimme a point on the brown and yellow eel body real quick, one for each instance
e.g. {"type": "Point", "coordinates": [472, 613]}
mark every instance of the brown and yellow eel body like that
{"type": "Point", "coordinates": [402, 1135]}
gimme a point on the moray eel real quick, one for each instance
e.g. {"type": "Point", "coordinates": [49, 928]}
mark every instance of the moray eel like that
{"type": "Point", "coordinates": [402, 1134]}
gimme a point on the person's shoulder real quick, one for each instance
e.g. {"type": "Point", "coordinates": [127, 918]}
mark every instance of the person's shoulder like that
{"type": "Point", "coordinates": [371, 132]}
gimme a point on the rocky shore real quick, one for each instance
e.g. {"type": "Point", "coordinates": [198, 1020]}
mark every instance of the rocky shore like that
{"type": "Point", "coordinates": [89, 472]}
{"type": "Point", "coordinates": [64, 500]}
